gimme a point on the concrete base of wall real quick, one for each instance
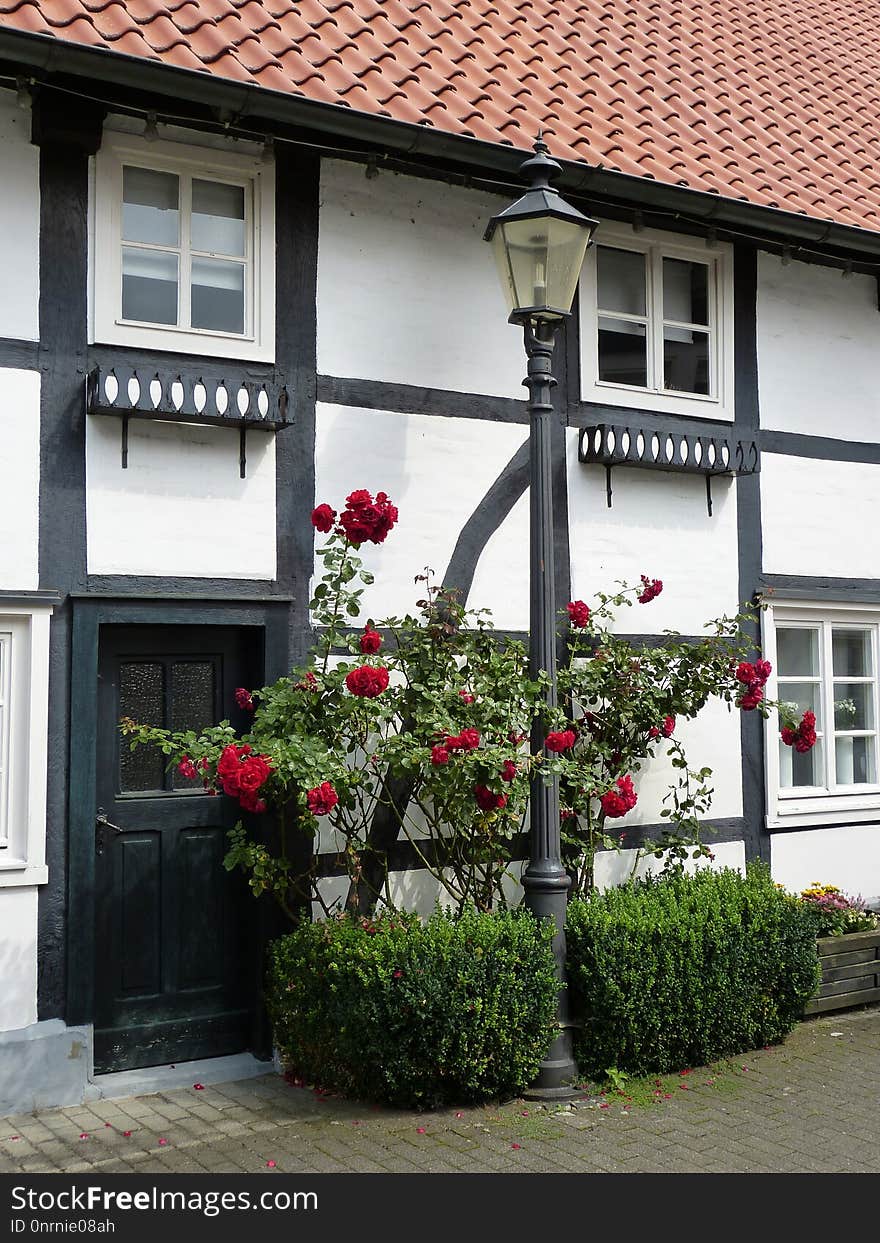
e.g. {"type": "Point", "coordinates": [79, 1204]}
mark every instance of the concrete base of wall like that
{"type": "Point", "coordinates": [47, 1064]}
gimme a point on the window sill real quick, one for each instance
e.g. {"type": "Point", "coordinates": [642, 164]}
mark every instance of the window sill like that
{"type": "Point", "coordinates": [16, 874]}
{"type": "Point", "coordinates": [830, 813]}
{"type": "Point", "coordinates": [691, 405]}
{"type": "Point", "coordinates": [182, 341]}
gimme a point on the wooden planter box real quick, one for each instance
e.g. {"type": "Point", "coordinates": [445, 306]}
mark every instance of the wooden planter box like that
{"type": "Point", "coordinates": [850, 971]}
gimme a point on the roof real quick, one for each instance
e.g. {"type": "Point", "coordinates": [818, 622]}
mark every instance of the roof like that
{"type": "Point", "coordinates": [775, 102]}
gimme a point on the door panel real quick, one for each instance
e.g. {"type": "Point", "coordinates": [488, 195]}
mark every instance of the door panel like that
{"type": "Point", "coordinates": [176, 958]}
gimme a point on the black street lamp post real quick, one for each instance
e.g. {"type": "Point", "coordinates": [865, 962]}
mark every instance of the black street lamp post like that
{"type": "Point", "coordinates": [540, 242]}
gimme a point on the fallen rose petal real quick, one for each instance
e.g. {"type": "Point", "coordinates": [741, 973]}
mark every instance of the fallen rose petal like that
{"type": "Point", "coordinates": [604, 1105]}
{"type": "Point", "coordinates": [667, 1096]}
{"type": "Point", "coordinates": [83, 1135]}
{"type": "Point", "coordinates": [13, 1138]}
{"type": "Point", "coordinates": [525, 1113]}
{"type": "Point", "coordinates": [126, 1133]}
{"type": "Point", "coordinates": [270, 1165]}
{"type": "Point", "coordinates": [199, 1087]}
{"type": "Point", "coordinates": [516, 1145]}
{"type": "Point", "coordinates": [459, 1115]}
{"type": "Point", "coordinates": [420, 1130]}
{"type": "Point", "coordinates": [162, 1143]}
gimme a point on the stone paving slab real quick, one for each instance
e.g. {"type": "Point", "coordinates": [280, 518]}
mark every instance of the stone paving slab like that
{"type": "Point", "coordinates": [811, 1104]}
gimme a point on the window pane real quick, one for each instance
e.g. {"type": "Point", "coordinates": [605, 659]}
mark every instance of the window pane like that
{"type": "Point", "coordinates": [621, 278]}
{"type": "Point", "coordinates": [218, 295]}
{"type": "Point", "coordinates": [799, 696]}
{"type": "Point", "coordinates": [149, 286]}
{"type": "Point", "coordinates": [623, 352]}
{"type": "Point", "coordinates": [851, 653]}
{"type": "Point", "coordinates": [141, 697]}
{"type": "Point", "coordinates": [685, 360]}
{"type": "Point", "coordinates": [217, 217]}
{"type": "Point", "coordinates": [150, 206]}
{"type": "Point", "coordinates": [853, 705]}
{"type": "Point", "coordinates": [796, 769]}
{"type": "Point", "coordinates": [797, 652]}
{"type": "Point", "coordinates": [854, 761]}
{"type": "Point", "coordinates": [685, 291]}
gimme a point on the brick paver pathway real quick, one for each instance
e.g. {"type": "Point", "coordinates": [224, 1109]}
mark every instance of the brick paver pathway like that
{"type": "Point", "coordinates": [812, 1104]}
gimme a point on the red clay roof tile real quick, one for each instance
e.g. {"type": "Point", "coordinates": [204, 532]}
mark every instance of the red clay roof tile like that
{"type": "Point", "coordinates": [772, 101]}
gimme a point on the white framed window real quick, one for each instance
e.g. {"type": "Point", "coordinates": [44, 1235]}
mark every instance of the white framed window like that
{"type": "Point", "coordinates": [24, 698]}
{"type": "Point", "coordinates": [656, 316]}
{"type": "Point", "coordinates": [825, 659]}
{"type": "Point", "coordinates": [184, 249]}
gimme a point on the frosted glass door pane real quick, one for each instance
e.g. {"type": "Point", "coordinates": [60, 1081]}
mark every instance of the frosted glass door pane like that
{"type": "Point", "coordinates": [851, 653]}
{"type": "Point", "coordinates": [218, 218]}
{"type": "Point", "coordinates": [623, 352]}
{"type": "Point", "coordinates": [192, 705]}
{"type": "Point", "coordinates": [621, 278]}
{"type": "Point", "coordinates": [149, 286]}
{"type": "Point", "coordinates": [218, 295]}
{"type": "Point", "coordinates": [797, 652]}
{"type": "Point", "coordinates": [150, 207]}
{"type": "Point", "coordinates": [142, 698]}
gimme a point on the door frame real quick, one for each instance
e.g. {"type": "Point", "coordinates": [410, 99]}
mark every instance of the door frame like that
{"type": "Point", "coordinates": [268, 616]}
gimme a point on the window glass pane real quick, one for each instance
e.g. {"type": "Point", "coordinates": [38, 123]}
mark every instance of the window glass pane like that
{"type": "Point", "coordinates": [797, 652]}
{"type": "Point", "coordinates": [141, 697]}
{"type": "Point", "coordinates": [853, 705]}
{"type": "Point", "coordinates": [851, 653]}
{"type": "Point", "coordinates": [685, 291]}
{"type": "Point", "coordinates": [799, 696]}
{"type": "Point", "coordinates": [192, 706]}
{"type": "Point", "coordinates": [854, 761]}
{"type": "Point", "coordinates": [623, 352]}
{"type": "Point", "coordinates": [217, 217]}
{"type": "Point", "coordinates": [149, 286]}
{"type": "Point", "coordinates": [218, 295]}
{"type": "Point", "coordinates": [621, 279]}
{"type": "Point", "coordinates": [796, 769]}
{"type": "Point", "coordinates": [150, 206]}
{"type": "Point", "coordinates": [685, 360]}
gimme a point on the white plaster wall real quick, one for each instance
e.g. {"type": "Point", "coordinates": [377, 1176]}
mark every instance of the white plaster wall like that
{"type": "Point", "coordinates": [407, 289]}
{"type": "Point", "coordinates": [19, 477]}
{"type": "Point", "coordinates": [818, 350]}
{"type": "Point", "coordinates": [501, 581]}
{"type": "Point", "coordinates": [614, 867]}
{"type": "Point", "coordinates": [657, 526]}
{"type": "Point", "coordinates": [846, 856]}
{"type": "Point", "coordinates": [819, 517]}
{"type": "Point", "coordinates": [436, 470]}
{"type": "Point", "coordinates": [18, 958]}
{"type": "Point", "coordinates": [180, 508]}
{"type": "Point", "coordinates": [19, 223]}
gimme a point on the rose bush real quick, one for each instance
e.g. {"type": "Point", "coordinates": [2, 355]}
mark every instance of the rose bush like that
{"type": "Point", "coordinates": [417, 728]}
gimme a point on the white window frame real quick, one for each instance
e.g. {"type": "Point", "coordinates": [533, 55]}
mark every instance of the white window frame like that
{"type": "Point", "coordinates": [257, 342]}
{"type": "Point", "coordinates": [657, 245]}
{"type": "Point", "coordinates": [827, 805]}
{"type": "Point", "coordinates": [25, 631]}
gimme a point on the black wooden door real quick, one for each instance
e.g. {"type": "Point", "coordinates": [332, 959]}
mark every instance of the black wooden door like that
{"type": "Point", "coordinates": [176, 958]}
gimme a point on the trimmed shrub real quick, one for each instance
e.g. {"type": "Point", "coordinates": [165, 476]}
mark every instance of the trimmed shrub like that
{"type": "Point", "coordinates": [681, 970]}
{"type": "Point", "coordinates": [455, 1009]}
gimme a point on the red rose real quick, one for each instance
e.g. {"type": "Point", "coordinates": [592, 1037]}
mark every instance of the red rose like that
{"type": "Point", "coordinates": [578, 612]}
{"type": "Point", "coordinates": [560, 741]}
{"type": "Point", "coordinates": [250, 801]}
{"type": "Point", "coordinates": [653, 732]}
{"type": "Point", "coordinates": [371, 641]}
{"type": "Point", "coordinates": [254, 773]}
{"type": "Point", "coordinates": [788, 736]}
{"type": "Point", "coordinates": [668, 726]}
{"type": "Point", "coordinates": [763, 669]}
{"type": "Point", "coordinates": [752, 697]}
{"type": "Point", "coordinates": [323, 518]}
{"type": "Point", "coordinates": [365, 519]}
{"type": "Point", "coordinates": [487, 801]}
{"type": "Point", "coordinates": [243, 699]}
{"type": "Point", "coordinates": [367, 681]}
{"type": "Point", "coordinates": [617, 802]}
{"type": "Point", "coordinates": [187, 768]}
{"type": "Point", "coordinates": [229, 763]}
{"type": "Point", "coordinates": [466, 697]}
{"type": "Point", "coordinates": [651, 588]}
{"type": "Point", "coordinates": [439, 756]}
{"type": "Point", "coordinates": [508, 770]}
{"type": "Point", "coordinates": [308, 682]}
{"type": "Point", "coordinates": [467, 740]}
{"type": "Point", "coordinates": [745, 672]}
{"type": "Point", "coordinates": [322, 799]}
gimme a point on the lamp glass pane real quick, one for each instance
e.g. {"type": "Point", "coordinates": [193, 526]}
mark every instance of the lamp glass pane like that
{"type": "Point", "coordinates": [539, 261]}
